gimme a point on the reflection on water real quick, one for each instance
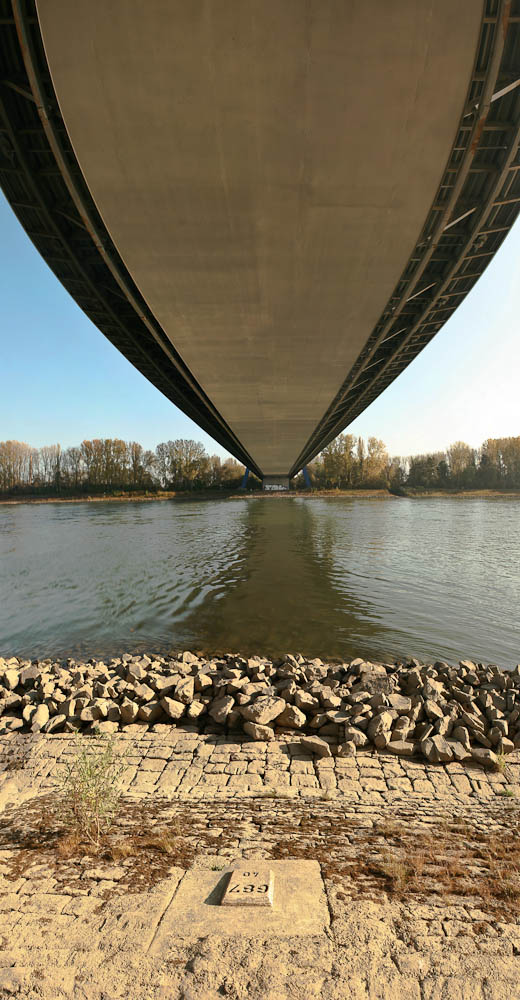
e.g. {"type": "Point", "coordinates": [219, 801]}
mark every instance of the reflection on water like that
{"type": "Point", "coordinates": [328, 577]}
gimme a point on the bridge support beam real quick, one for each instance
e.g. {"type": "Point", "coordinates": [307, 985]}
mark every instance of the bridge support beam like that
{"type": "Point", "coordinates": [243, 484]}
{"type": "Point", "coordinates": [275, 483]}
{"type": "Point", "coordinates": [306, 477]}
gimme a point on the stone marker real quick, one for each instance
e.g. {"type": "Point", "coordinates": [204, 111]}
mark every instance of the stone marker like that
{"type": "Point", "coordinates": [249, 887]}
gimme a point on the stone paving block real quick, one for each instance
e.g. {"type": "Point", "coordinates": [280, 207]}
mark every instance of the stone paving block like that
{"type": "Point", "coordinates": [10, 901]}
{"type": "Point", "coordinates": [44, 902]}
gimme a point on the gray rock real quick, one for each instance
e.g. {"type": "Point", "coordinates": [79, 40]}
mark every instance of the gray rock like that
{"type": "Point", "coordinates": [195, 710]}
{"type": "Point", "coordinates": [319, 720]}
{"type": "Point", "coordinates": [263, 733]}
{"type": "Point", "coordinates": [432, 709]}
{"type": "Point", "coordinates": [413, 679]}
{"type": "Point", "coordinates": [379, 724]}
{"type": "Point", "coordinates": [483, 740]}
{"type": "Point", "coordinates": [423, 730]}
{"type": "Point", "coordinates": [403, 748]}
{"type": "Point", "coordinates": [341, 716]}
{"type": "Point", "coordinates": [444, 726]}
{"type": "Point", "coordinates": [113, 712]}
{"type": "Point", "coordinates": [291, 717]}
{"type": "Point", "coordinates": [494, 736]}
{"type": "Point", "coordinates": [263, 710]}
{"type": "Point", "coordinates": [143, 692]}
{"type": "Point", "coordinates": [330, 729]}
{"type": "Point", "coordinates": [202, 681]}
{"type": "Point", "coordinates": [135, 672]}
{"type": "Point", "coordinates": [399, 702]}
{"type": "Point", "coordinates": [165, 685]}
{"type": "Point", "coordinates": [40, 717]}
{"type": "Point", "coordinates": [175, 709]}
{"type": "Point", "coordinates": [91, 714]}
{"type": "Point", "coordinates": [257, 688]}
{"type": "Point", "coordinates": [10, 679]}
{"type": "Point", "coordinates": [460, 735]}
{"type": "Point", "coordinates": [150, 712]}
{"type": "Point", "coordinates": [316, 745]}
{"type": "Point", "coordinates": [28, 712]}
{"type": "Point", "coordinates": [221, 707]}
{"type": "Point", "coordinates": [362, 696]}
{"type": "Point", "coordinates": [57, 722]}
{"type": "Point", "coordinates": [185, 690]}
{"type": "Point", "coordinates": [328, 699]}
{"type": "Point", "coordinates": [128, 711]}
{"type": "Point", "coordinates": [428, 750]}
{"type": "Point", "coordinates": [485, 757]}
{"type": "Point", "coordinates": [443, 748]}
{"type": "Point", "coordinates": [459, 751]}
{"type": "Point", "coordinates": [306, 701]}
{"type": "Point", "coordinates": [401, 728]}
{"type": "Point", "coordinates": [432, 689]}
{"type": "Point", "coordinates": [29, 675]}
{"type": "Point", "coordinates": [355, 736]}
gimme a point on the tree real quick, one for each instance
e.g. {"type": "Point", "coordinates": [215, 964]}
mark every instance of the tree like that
{"type": "Point", "coordinates": [181, 464]}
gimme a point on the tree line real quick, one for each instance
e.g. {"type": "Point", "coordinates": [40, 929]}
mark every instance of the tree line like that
{"type": "Point", "coordinates": [108, 465]}
{"type": "Point", "coordinates": [349, 463]}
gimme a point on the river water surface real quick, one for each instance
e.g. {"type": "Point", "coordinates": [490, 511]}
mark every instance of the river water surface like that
{"type": "Point", "coordinates": [331, 577]}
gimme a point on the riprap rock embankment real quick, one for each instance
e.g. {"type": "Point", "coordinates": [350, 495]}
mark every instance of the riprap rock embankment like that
{"type": "Point", "coordinates": [442, 712]}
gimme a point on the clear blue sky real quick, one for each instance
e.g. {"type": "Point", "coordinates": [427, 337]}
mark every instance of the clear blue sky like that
{"type": "Point", "coordinates": [62, 381]}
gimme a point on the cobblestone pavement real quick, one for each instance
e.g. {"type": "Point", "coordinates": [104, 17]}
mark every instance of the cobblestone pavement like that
{"type": "Point", "coordinates": [179, 763]}
{"type": "Point", "coordinates": [90, 938]}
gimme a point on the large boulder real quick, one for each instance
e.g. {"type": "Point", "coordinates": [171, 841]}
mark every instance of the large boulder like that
{"type": "Point", "coordinates": [381, 723]}
{"type": "Point", "coordinates": [40, 718]}
{"type": "Point", "coordinates": [403, 748]}
{"type": "Point", "coordinates": [291, 717]}
{"type": "Point", "coordinates": [485, 757]}
{"type": "Point", "coordinates": [263, 710]}
{"type": "Point", "coordinates": [184, 690]}
{"type": "Point", "coordinates": [128, 710]}
{"type": "Point", "coordinates": [175, 709]}
{"type": "Point", "coordinates": [316, 745]}
{"type": "Point", "coordinates": [355, 736]}
{"type": "Point", "coordinates": [256, 732]}
{"type": "Point", "coordinates": [220, 708]}
{"type": "Point", "coordinates": [306, 701]}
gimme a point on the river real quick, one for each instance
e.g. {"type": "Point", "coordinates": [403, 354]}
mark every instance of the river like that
{"type": "Point", "coordinates": [330, 577]}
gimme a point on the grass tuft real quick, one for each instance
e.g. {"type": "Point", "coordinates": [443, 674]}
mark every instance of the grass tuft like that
{"type": "Point", "coordinates": [88, 793]}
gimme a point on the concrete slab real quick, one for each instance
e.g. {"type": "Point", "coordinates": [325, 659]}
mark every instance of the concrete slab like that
{"type": "Point", "coordinates": [299, 906]}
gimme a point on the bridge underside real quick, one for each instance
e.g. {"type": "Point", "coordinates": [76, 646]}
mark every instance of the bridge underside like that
{"type": "Point", "coordinates": [269, 208]}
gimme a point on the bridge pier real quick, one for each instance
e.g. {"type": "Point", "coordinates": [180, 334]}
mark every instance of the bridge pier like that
{"type": "Point", "coordinates": [275, 483]}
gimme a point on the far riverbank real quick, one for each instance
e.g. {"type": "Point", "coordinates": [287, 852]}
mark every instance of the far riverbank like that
{"type": "Point", "coordinates": [379, 494]}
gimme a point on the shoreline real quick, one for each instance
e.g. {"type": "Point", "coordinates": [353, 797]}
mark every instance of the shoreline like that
{"type": "Point", "coordinates": [378, 494]}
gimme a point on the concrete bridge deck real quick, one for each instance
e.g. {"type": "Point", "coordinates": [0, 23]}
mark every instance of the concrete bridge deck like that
{"type": "Point", "coordinates": [269, 208]}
